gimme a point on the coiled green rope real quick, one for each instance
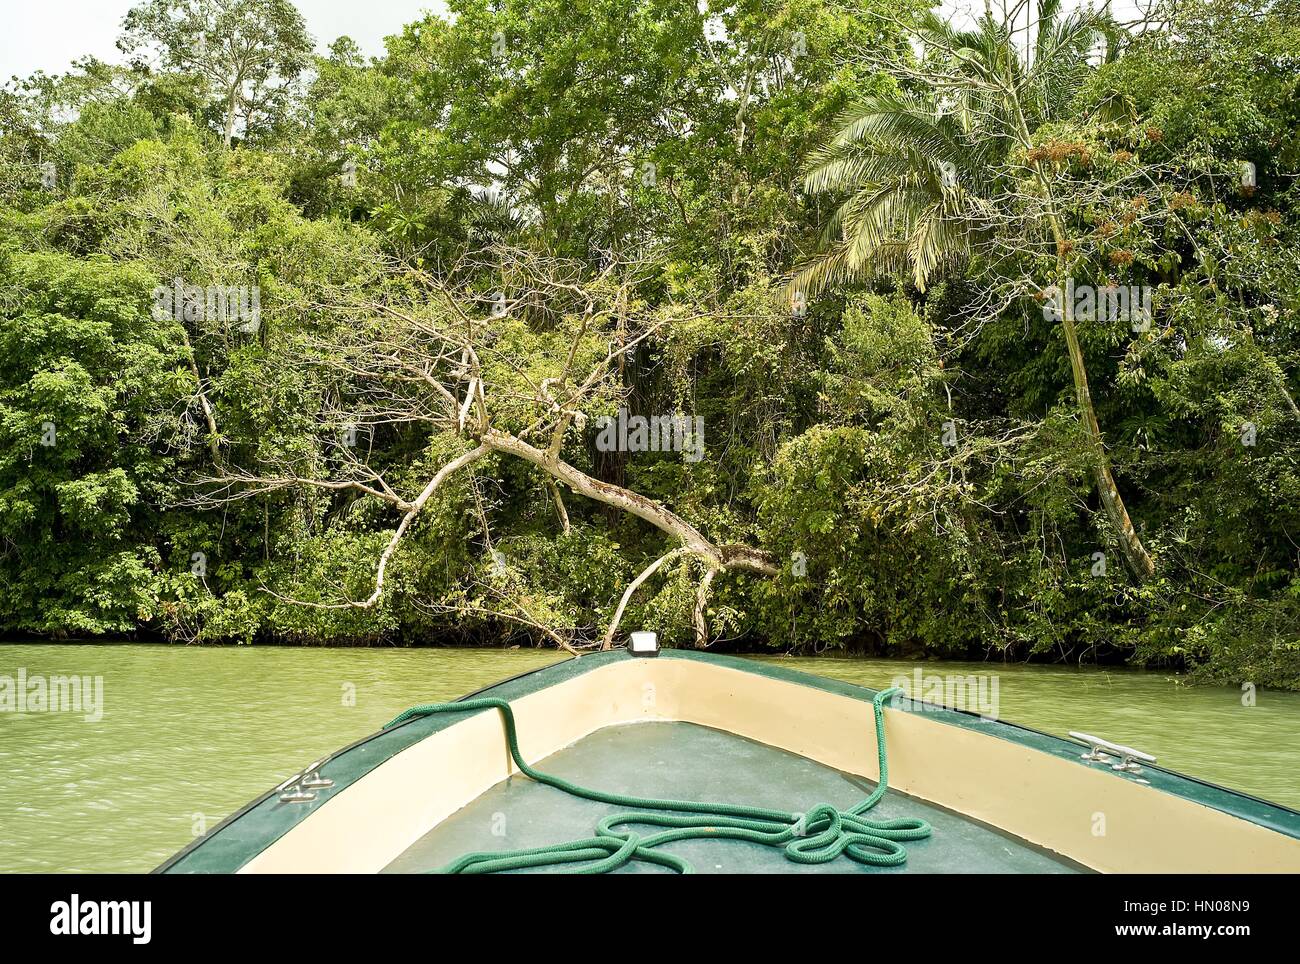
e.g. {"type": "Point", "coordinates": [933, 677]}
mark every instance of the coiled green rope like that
{"type": "Point", "coordinates": [815, 837]}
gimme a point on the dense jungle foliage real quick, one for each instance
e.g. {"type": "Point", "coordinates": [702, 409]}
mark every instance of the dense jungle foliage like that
{"type": "Point", "coordinates": [832, 242]}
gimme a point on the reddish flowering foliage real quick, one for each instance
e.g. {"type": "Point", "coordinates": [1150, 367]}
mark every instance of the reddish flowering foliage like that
{"type": "Point", "coordinates": [1059, 151]}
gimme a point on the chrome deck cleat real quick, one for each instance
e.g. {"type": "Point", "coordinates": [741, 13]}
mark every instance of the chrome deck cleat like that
{"type": "Point", "coordinates": [1101, 751]}
{"type": "Point", "coordinates": [312, 780]}
{"type": "Point", "coordinates": [304, 785]}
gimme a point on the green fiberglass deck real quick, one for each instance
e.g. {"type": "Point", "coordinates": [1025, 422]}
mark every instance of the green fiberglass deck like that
{"type": "Point", "coordinates": [699, 763]}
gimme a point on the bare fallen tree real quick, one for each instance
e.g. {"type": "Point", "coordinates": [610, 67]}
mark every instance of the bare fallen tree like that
{"type": "Point", "coordinates": [445, 354]}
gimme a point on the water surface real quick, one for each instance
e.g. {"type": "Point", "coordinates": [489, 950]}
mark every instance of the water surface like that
{"type": "Point", "coordinates": [190, 734]}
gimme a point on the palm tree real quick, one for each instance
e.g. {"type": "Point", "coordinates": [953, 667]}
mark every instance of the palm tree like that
{"type": "Point", "coordinates": [936, 170]}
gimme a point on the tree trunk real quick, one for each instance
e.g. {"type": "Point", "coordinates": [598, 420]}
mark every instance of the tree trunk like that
{"type": "Point", "coordinates": [659, 516]}
{"type": "Point", "coordinates": [1135, 554]}
{"type": "Point", "coordinates": [230, 115]}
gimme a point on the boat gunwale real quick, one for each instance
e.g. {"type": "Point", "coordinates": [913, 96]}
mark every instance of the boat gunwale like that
{"type": "Point", "coordinates": [199, 841]}
{"type": "Point", "coordinates": [1282, 819]}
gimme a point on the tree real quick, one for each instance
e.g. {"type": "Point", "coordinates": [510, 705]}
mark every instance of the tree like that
{"type": "Point", "coordinates": [86, 381]}
{"type": "Point", "coordinates": [530, 216]}
{"type": "Point", "coordinates": [511, 373]}
{"type": "Point", "coordinates": [948, 166]}
{"type": "Point", "coordinates": [246, 50]}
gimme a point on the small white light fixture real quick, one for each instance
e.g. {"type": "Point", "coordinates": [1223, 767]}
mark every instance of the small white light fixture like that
{"type": "Point", "coordinates": [644, 644]}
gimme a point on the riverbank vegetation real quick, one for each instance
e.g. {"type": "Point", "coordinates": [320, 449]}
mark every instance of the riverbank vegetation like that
{"type": "Point", "coordinates": [961, 339]}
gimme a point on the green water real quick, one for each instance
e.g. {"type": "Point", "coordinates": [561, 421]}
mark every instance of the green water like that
{"type": "Point", "coordinates": [188, 735]}
{"type": "Point", "coordinates": [191, 734]}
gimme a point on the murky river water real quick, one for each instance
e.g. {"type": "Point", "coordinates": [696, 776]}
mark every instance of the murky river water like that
{"type": "Point", "coordinates": [188, 735]}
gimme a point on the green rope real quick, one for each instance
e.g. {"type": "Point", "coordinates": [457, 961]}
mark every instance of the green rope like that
{"type": "Point", "coordinates": [815, 837]}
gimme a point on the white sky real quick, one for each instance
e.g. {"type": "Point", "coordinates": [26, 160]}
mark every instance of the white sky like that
{"type": "Point", "coordinates": [49, 34]}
